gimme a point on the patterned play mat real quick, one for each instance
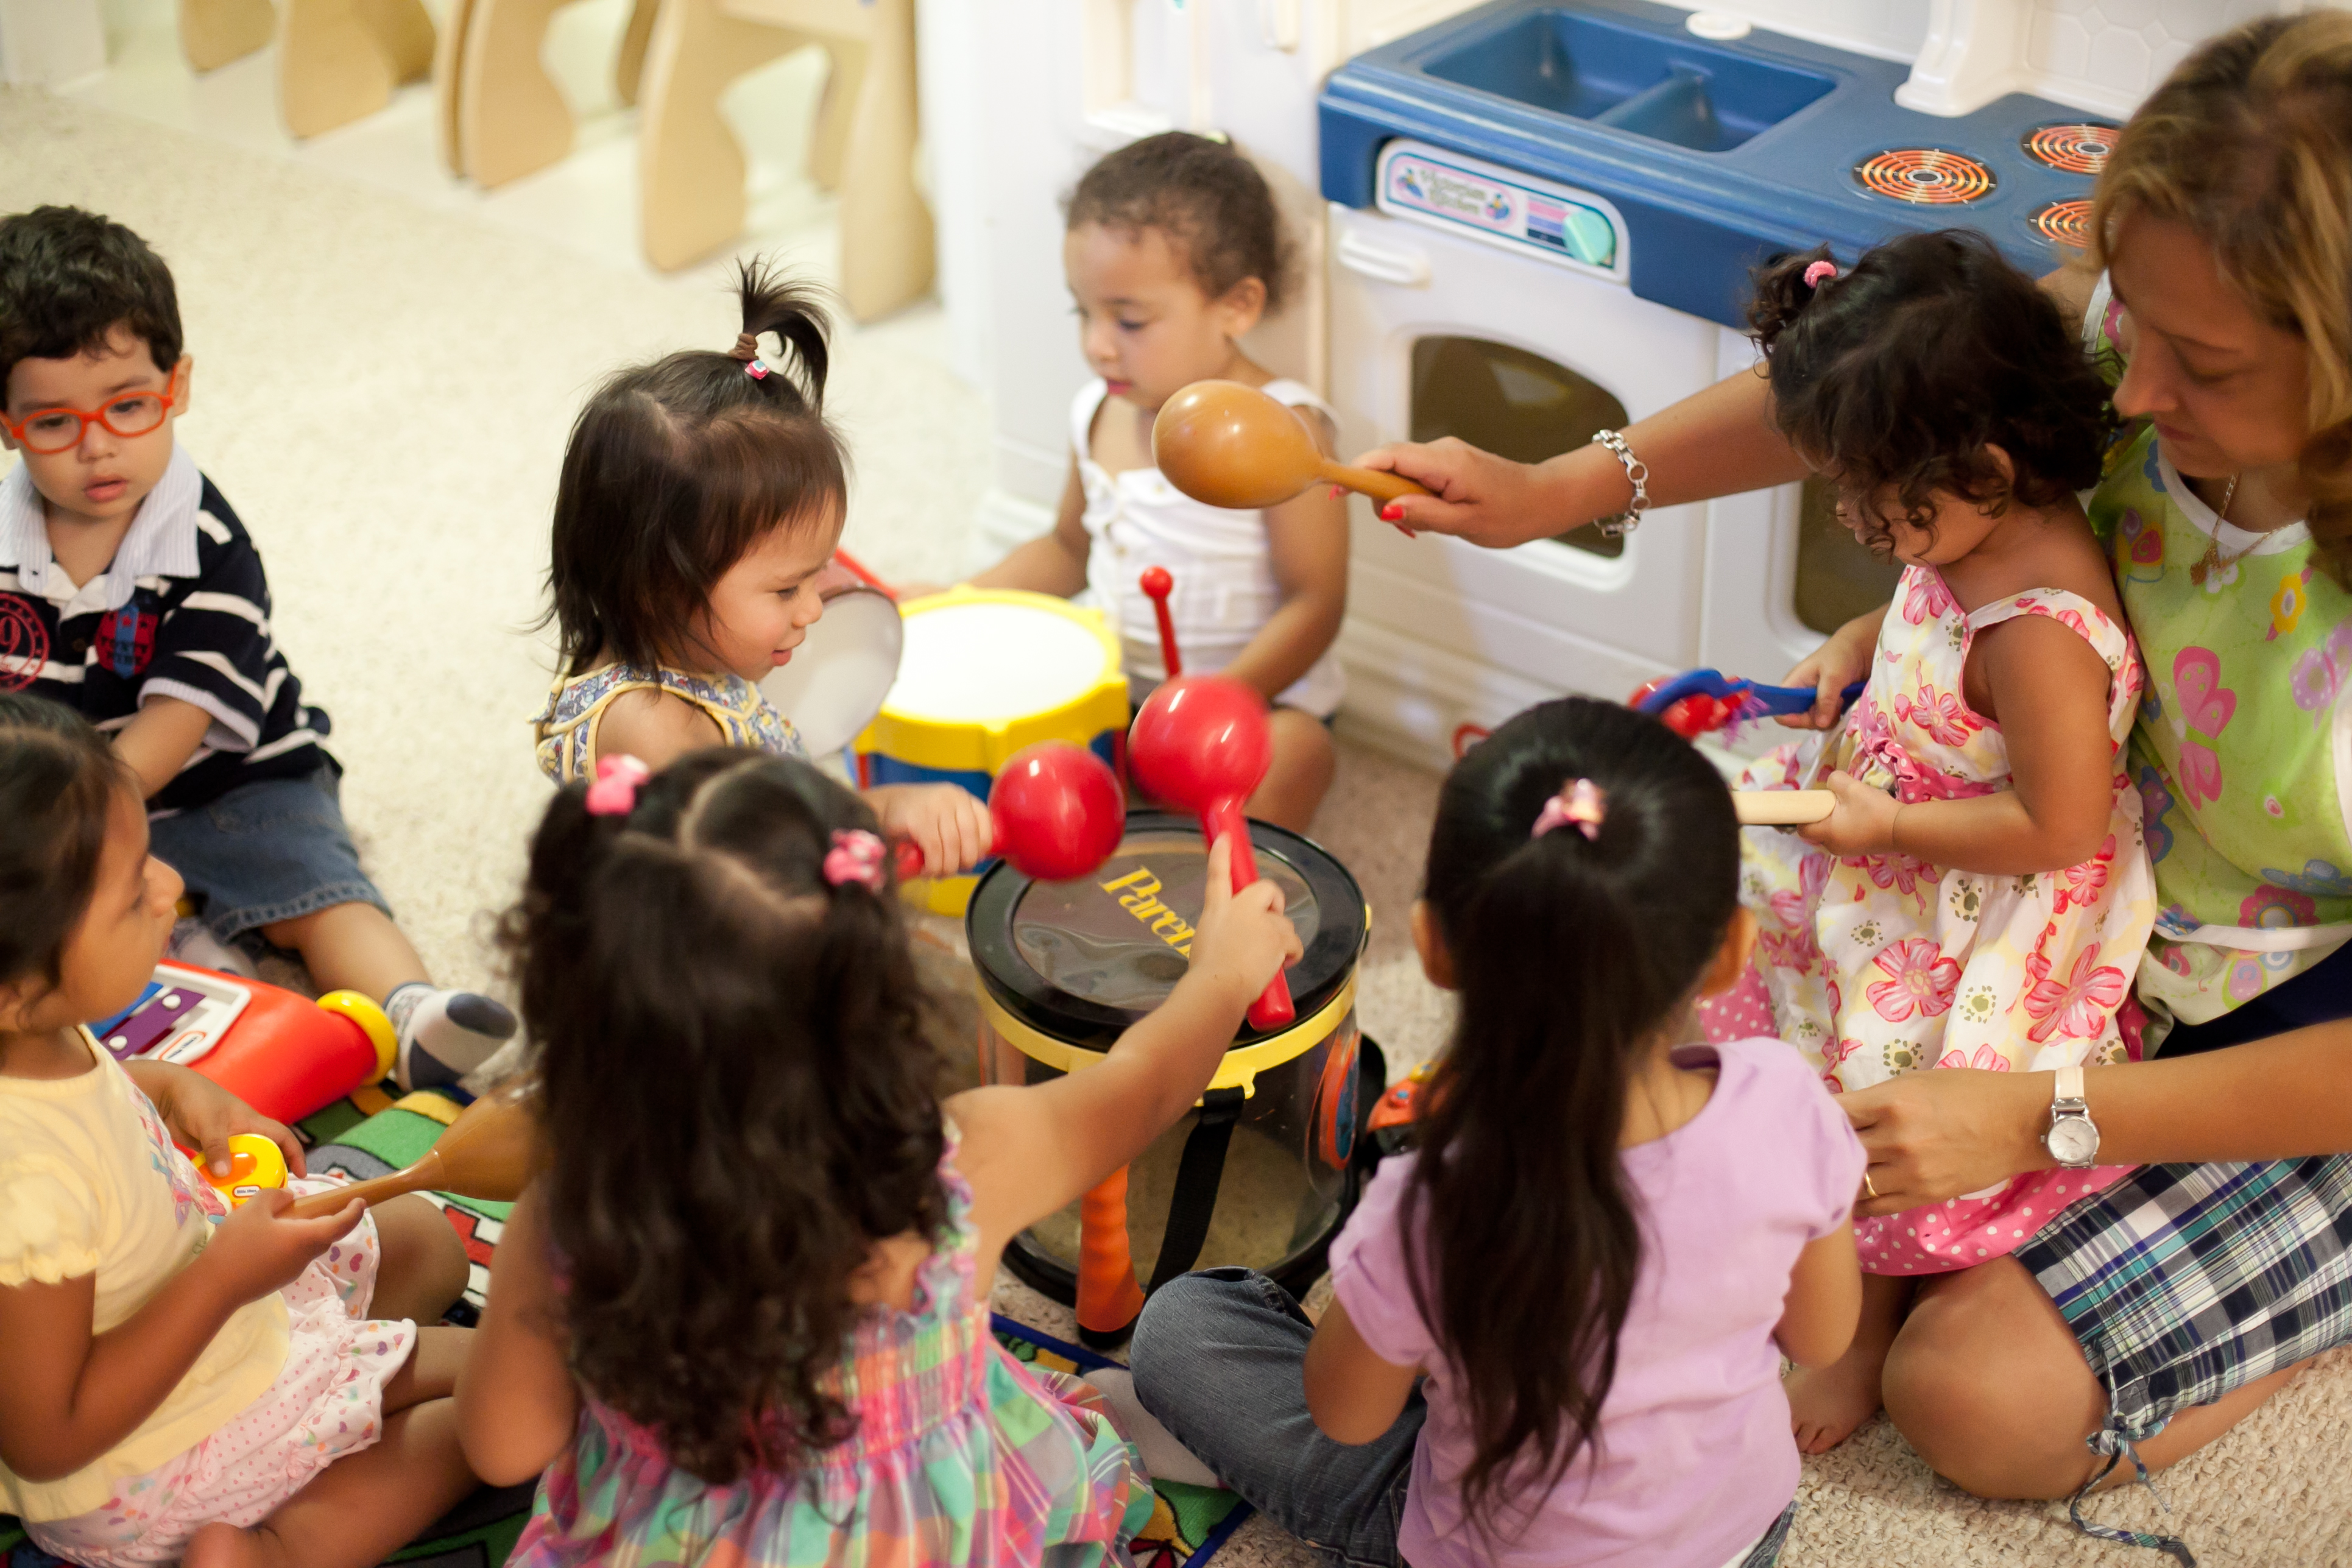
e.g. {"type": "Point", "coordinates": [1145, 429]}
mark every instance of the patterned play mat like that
{"type": "Point", "coordinates": [371, 1134]}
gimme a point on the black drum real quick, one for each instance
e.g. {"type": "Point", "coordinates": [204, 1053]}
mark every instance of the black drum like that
{"type": "Point", "coordinates": [1265, 1168]}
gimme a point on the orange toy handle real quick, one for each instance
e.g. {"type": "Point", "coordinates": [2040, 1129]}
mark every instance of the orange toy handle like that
{"type": "Point", "coordinates": [1108, 1298]}
{"type": "Point", "coordinates": [1377, 483]}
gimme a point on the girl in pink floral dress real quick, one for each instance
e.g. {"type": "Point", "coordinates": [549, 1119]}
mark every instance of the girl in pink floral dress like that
{"type": "Point", "coordinates": [1980, 897]}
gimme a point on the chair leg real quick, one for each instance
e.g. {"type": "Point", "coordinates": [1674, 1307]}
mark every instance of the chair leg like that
{"type": "Point", "coordinates": [629, 64]}
{"type": "Point", "coordinates": [829, 147]}
{"type": "Point", "coordinates": [449, 67]}
{"type": "Point", "coordinates": [214, 32]}
{"type": "Point", "coordinates": [510, 120]}
{"type": "Point", "coordinates": [332, 67]}
{"type": "Point", "coordinates": [887, 253]}
{"type": "Point", "coordinates": [404, 29]}
{"type": "Point", "coordinates": [690, 170]}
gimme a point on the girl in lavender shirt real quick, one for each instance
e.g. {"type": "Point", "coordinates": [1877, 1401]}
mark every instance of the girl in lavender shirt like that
{"type": "Point", "coordinates": [1555, 1330]}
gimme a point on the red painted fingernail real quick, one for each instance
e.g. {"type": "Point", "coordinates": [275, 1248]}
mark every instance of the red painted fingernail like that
{"type": "Point", "coordinates": [1392, 512]}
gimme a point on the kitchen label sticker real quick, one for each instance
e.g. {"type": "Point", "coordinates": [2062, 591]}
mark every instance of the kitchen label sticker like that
{"type": "Point", "coordinates": [1452, 192]}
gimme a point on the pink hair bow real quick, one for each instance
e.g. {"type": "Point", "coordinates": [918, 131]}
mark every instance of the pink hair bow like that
{"type": "Point", "coordinates": [856, 855]}
{"type": "Point", "coordinates": [614, 792]}
{"type": "Point", "coordinates": [1580, 800]}
{"type": "Point", "coordinates": [1820, 272]}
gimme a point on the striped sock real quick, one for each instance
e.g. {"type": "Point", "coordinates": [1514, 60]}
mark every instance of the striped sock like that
{"type": "Point", "coordinates": [443, 1034]}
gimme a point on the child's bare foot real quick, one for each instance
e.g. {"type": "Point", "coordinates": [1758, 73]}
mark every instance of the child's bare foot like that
{"type": "Point", "coordinates": [1826, 1404]}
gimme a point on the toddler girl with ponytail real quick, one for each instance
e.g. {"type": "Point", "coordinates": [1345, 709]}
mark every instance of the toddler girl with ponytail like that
{"type": "Point", "coordinates": [700, 505]}
{"type": "Point", "coordinates": [1556, 1330]}
{"type": "Point", "coordinates": [744, 1310]}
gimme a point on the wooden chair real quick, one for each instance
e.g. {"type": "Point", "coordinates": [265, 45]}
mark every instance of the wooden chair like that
{"type": "Point", "coordinates": [690, 191]}
{"type": "Point", "coordinates": [338, 60]}
{"type": "Point", "coordinates": [498, 115]}
{"type": "Point", "coordinates": [214, 32]}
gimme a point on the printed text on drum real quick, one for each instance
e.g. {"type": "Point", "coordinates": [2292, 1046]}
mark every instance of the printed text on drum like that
{"type": "Point", "coordinates": [1144, 904]}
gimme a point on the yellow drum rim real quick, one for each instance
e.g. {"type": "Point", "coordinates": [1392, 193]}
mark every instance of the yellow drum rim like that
{"type": "Point", "coordinates": [1239, 1069]}
{"type": "Point", "coordinates": [983, 745]}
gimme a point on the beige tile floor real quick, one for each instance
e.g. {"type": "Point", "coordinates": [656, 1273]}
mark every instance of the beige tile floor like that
{"type": "Point", "coordinates": [387, 366]}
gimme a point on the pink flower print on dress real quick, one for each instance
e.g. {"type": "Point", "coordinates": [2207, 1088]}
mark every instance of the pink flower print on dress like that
{"type": "Point", "coordinates": [2206, 706]}
{"type": "Point", "coordinates": [2296, 908]}
{"type": "Point", "coordinates": [1987, 1059]}
{"type": "Point", "coordinates": [1928, 597]}
{"type": "Point", "coordinates": [1942, 714]}
{"type": "Point", "coordinates": [2077, 1010]}
{"type": "Point", "coordinates": [2141, 549]}
{"type": "Point", "coordinates": [2079, 885]}
{"type": "Point", "coordinates": [1919, 981]}
{"type": "Point", "coordinates": [1897, 871]}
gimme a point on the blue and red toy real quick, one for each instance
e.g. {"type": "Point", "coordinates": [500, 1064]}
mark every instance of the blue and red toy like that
{"type": "Point", "coordinates": [1701, 701]}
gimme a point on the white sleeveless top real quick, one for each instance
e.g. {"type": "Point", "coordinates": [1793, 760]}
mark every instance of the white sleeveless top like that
{"type": "Point", "coordinates": [1226, 591]}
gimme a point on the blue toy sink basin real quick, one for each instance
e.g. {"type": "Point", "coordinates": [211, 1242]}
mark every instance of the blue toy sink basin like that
{"type": "Point", "coordinates": [1637, 79]}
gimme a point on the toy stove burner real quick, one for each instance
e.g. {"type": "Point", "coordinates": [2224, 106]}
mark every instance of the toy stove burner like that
{"type": "Point", "coordinates": [2063, 223]}
{"type": "Point", "coordinates": [1930, 176]}
{"type": "Point", "coordinates": [2077, 149]}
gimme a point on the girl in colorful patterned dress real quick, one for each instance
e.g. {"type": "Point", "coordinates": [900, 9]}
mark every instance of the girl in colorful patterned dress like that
{"type": "Point", "coordinates": [744, 1312]}
{"type": "Point", "coordinates": [1980, 895]}
{"type": "Point", "coordinates": [179, 1382]}
{"type": "Point", "coordinates": [701, 499]}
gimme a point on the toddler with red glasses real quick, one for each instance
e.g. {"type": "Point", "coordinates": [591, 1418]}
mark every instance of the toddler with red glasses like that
{"type": "Point", "coordinates": [130, 592]}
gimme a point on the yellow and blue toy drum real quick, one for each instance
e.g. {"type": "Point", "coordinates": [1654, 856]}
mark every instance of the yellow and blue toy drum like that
{"type": "Point", "coordinates": [984, 672]}
{"type": "Point", "coordinates": [1261, 1171]}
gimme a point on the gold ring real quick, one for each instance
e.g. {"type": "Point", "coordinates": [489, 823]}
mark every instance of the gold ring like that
{"type": "Point", "coordinates": [1869, 1187]}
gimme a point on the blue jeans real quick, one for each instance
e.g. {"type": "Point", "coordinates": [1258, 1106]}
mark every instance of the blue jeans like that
{"type": "Point", "coordinates": [1219, 1358]}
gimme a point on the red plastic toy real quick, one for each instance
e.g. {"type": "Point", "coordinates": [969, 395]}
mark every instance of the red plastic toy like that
{"type": "Point", "coordinates": [1200, 744]}
{"type": "Point", "coordinates": [281, 1053]}
{"type": "Point", "coordinates": [1057, 812]}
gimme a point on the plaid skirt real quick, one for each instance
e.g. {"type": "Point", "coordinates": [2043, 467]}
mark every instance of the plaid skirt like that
{"type": "Point", "coordinates": [2183, 1282]}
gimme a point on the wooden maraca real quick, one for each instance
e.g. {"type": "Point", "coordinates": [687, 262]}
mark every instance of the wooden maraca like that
{"type": "Point", "coordinates": [488, 1153]}
{"type": "Point", "coordinates": [1228, 445]}
{"type": "Point", "coordinates": [1782, 807]}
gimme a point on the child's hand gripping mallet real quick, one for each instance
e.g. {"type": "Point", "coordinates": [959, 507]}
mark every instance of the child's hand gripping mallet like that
{"type": "Point", "coordinates": [1231, 446]}
{"type": "Point", "coordinates": [1200, 744]}
{"type": "Point", "coordinates": [488, 1153]}
{"type": "Point", "coordinates": [1056, 812]}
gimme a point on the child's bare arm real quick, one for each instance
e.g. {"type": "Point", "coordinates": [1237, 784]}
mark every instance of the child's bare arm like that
{"type": "Point", "coordinates": [1353, 1394]}
{"type": "Point", "coordinates": [67, 1395]}
{"type": "Point", "coordinates": [654, 727]}
{"type": "Point", "coordinates": [1053, 563]}
{"type": "Point", "coordinates": [158, 743]}
{"type": "Point", "coordinates": [1027, 1151]}
{"type": "Point", "coordinates": [1823, 1306]}
{"type": "Point", "coordinates": [1308, 543]}
{"type": "Point", "coordinates": [2049, 688]}
{"type": "Point", "coordinates": [517, 1403]}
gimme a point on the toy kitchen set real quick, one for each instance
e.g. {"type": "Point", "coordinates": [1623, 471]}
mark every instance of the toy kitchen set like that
{"type": "Point", "coordinates": [1538, 220]}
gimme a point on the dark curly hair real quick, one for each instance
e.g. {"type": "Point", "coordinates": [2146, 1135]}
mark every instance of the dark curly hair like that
{"type": "Point", "coordinates": [677, 468]}
{"type": "Point", "coordinates": [57, 778]}
{"type": "Point", "coordinates": [738, 1093]}
{"type": "Point", "coordinates": [1210, 201]}
{"type": "Point", "coordinates": [69, 277]}
{"type": "Point", "coordinates": [1894, 376]}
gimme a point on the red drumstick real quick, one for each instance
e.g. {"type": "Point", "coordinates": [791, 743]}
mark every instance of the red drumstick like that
{"type": "Point", "coordinates": [1157, 582]}
{"type": "Point", "coordinates": [1200, 744]}
{"type": "Point", "coordinates": [1056, 811]}
{"type": "Point", "coordinates": [855, 568]}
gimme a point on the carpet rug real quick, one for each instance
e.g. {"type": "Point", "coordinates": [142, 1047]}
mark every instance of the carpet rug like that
{"type": "Point", "coordinates": [371, 1133]}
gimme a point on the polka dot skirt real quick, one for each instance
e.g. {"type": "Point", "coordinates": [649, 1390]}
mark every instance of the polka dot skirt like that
{"type": "Point", "coordinates": [1959, 1233]}
{"type": "Point", "coordinates": [1742, 1013]}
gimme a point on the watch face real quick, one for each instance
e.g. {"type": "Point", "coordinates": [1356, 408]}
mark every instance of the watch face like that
{"type": "Point", "coordinates": [2074, 1141]}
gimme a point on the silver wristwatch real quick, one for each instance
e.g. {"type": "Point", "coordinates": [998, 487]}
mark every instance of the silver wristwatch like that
{"type": "Point", "coordinates": [2073, 1138]}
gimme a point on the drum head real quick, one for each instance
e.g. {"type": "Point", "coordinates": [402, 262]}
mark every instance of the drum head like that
{"type": "Point", "coordinates": [841, 670]}
{"type": "Point", "coordinates": [1082, 960]}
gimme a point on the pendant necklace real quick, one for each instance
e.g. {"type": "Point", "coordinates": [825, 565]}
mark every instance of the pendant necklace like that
{"type": "Point", "coordinates": [2213, 560]}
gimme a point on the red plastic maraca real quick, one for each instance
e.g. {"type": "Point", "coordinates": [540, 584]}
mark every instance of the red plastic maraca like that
{"type": "Point", "coordinates": [1200, 744]}
{"type": "Point", "coordinates": [1055, 810]}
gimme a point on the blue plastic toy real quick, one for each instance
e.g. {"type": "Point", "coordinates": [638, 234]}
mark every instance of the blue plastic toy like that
{"type": "Point", "coordinates": [1700, 701]}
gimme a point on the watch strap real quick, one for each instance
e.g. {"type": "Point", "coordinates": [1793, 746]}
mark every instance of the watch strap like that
{"type": "Point", "coordinates": [2070, 1083]}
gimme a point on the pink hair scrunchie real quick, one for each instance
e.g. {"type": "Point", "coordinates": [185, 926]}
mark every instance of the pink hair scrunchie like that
{"type": "Point", "coordinates": [1820, 272]}
{"type": "Point", "coordinates": [614, 792]}
{"type": "Point", "coordinates": [1580, 801]}
{"type": "Point", "coordinates": [856, 855]}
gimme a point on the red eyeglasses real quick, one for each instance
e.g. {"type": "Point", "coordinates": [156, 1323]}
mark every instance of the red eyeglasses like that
{"type": "Point", "coordinates": [49, 430]}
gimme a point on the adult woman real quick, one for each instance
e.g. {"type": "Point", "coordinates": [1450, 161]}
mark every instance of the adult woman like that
{"type": "Point", "coordinates": [2224, 222]}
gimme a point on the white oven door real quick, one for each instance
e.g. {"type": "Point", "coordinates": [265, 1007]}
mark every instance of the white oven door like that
{"type": "Point", "coordinates": [1433, 334]}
